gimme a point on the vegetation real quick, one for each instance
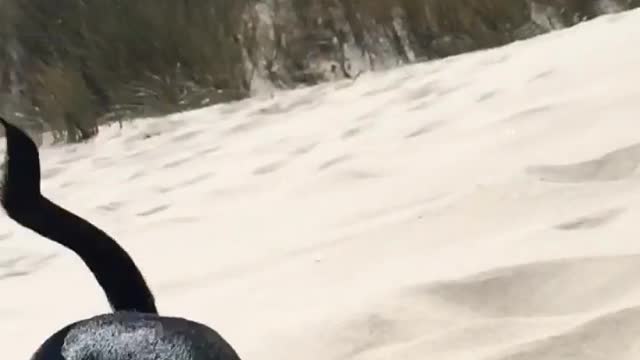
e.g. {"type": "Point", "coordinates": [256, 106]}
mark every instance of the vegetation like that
{"type": "Point", "coordinates": [72, 65]}
{"type": "Point", "coordinates": [94, 60]}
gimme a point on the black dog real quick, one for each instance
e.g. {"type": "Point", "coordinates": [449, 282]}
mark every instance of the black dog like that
{"type": "Point", "coordinates": [134, 331]}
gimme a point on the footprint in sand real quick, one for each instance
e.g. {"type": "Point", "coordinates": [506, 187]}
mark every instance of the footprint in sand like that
{"type": "Point", "coordinates": [67, 184]}
{"type": "Point", "coordinates": [153, 210]}
{"type": "Point", "coordinates": [541, 75]}
{"type": "Point", "coordinates": [421, 105]}
{"type": "Point", "coordinates": [425, 129]}
{"type": "Point", "coordinates": [111, 206]}
{"type": "Point", "coordinates": [352, 132]}
{"type": "Point", "coordinates": [269, 167]}
{"type": "Point", "coordinates": [196, 179]}
{"type": "Point", "coordinates": [23, 265]}
{"type": "Point", "coordinates": [302, 150]}
{"type": "Point", "coordinates": [335, 161]}
{"type": "Point", "coordinates": [246, 126]}
{"type": "Point", "coordinates": [185, 183]}
{"type": "Point", "coordinates": [175, 163]}
{"type": "Point", "coordinates": [208, 150]}
{"type": "Point", "coordinates": [136, 175]}
{"type": "Point", "coordinates": [429, 88]}
{"type": "Point", "coordinates": [591, 221]}
{"type": "Point", "coordinates": [487, 95]}
{"type": "Point", "coordinates": [369, 114]}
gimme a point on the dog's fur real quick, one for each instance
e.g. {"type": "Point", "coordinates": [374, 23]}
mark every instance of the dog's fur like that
{"type": "Point", "coordinates": [134, 331]}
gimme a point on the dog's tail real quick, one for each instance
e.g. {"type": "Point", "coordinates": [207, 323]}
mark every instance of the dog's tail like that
{"type": "Point", "coordinates": [21, 183]}
{"type": "Point", "coordinates": [21, 198]}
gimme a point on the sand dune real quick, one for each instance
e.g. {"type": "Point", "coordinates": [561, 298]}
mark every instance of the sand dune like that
{"type": "Point", "coordinates": [483, 207]}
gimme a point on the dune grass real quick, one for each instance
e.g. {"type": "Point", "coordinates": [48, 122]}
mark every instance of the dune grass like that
{"type": "Point", "coordinates": [82, 63]}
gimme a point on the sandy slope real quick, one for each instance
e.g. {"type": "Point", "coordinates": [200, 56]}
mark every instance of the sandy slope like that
{"type": "Point", "coordinates": [481, 207]}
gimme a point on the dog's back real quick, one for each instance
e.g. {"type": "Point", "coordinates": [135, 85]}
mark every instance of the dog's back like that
{"type": "Point", "coordinates": [135, 336]}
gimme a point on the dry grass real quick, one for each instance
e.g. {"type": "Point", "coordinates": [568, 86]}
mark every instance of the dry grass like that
{"type": "Point", "coordinates": [87, 62]}
{"type": "Point", "coordinates": [97, 59]}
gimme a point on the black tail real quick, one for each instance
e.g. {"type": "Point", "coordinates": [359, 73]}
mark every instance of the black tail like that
{"type": "Point", "coordinates": [114, 269]}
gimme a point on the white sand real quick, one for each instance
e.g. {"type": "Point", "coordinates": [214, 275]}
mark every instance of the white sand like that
{"type": "Point", "coordinates": [482, 207]}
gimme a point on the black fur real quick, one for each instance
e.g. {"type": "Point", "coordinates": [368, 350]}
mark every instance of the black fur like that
{"type": "Point", "coordinates": [134, 331]}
